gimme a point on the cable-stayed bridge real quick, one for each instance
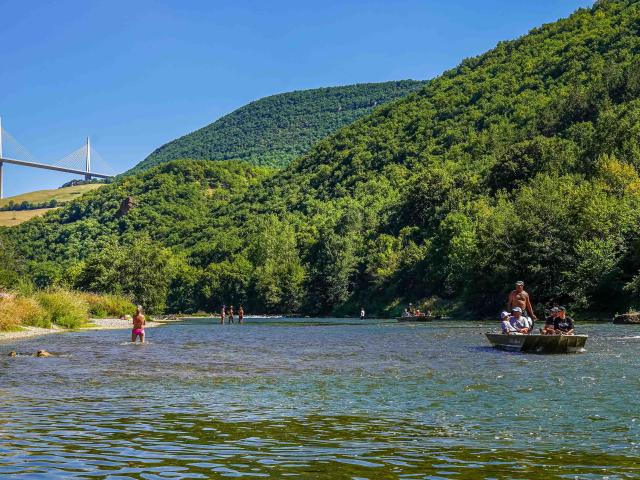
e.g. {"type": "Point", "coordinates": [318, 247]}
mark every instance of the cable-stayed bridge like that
{"type": "Point", "coordinates": [79, 162]}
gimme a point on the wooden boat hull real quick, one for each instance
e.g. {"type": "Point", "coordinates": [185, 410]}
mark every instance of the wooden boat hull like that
{"type": "Point", "coordinates": [538, 343]}
{"type": "Point", "coordinates": [414, 319]}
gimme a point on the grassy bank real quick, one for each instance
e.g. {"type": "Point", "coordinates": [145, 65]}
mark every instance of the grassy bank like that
{"type": "Point", "coordinates": [59, 307]}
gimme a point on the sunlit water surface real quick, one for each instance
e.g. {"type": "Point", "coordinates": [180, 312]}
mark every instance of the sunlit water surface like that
{"type": "Point", "coordinates": [326, 399]}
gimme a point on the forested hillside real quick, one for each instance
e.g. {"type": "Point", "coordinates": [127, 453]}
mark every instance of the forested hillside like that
{"type": "Point", "coordinates": [276, 129]}
{"type": "Point", "coordinates": [521, 163]}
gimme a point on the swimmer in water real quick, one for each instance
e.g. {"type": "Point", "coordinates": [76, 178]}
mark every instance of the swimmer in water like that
{"type": "Point", "coordinates": [138, 325]}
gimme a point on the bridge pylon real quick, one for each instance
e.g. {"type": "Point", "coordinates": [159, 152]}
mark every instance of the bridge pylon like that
{"type": "Point", "coordinates": [76, 167]}
{"type": "Point", "coordinates": [1, 163]}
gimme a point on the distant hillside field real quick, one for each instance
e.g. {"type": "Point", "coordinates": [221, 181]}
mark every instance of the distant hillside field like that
{"type": "Point", "coordinates": [274, 130]}
{"type": "Point", "coordinates": [62, 195]}
{"type": "Point", "coordinates": [13, 218]}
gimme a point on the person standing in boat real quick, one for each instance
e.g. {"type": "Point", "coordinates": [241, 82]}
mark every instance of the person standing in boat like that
{"type": "Point", "coordinates": [563, 324]}
{"type": "Point", "coordinates": [240, 314]}
{"type": "Point", "coordinates": [520, 298]}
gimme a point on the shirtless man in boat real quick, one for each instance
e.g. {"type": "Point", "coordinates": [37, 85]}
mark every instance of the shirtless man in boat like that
{"type": "Point", "coordinates": [520, 298]}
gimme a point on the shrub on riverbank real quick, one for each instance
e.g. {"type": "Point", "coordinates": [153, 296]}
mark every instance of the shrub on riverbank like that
{"type": "Point", "coordinates": [18, 310]}
{"type": "Point", "coordinates": [67, 309]}
{"type": "Point", "coordinates": [31, 313]}
{"type": "Point", "coordinates": [8, 319]}
{"type": "Point", "coordinates": [108, 306]}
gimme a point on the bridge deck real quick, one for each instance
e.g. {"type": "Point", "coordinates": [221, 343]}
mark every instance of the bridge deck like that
{"type": "Point", "coordinates": [52, 167]}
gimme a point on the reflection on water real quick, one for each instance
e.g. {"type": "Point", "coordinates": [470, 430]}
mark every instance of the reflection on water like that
{"type": "Point", "coordinates": [318, 399]}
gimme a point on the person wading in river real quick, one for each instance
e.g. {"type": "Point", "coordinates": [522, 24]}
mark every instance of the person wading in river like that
{"type": "Point", "coordinates": [240, 314]}
{"type": "Point", "coordinates": [139, 323]}
{"type": "Point", "coordinates": [222, 315]}
{"type": "Point", "coordinates": [520, 298]}
{"type": "Point", "coordinates": [231, 314]}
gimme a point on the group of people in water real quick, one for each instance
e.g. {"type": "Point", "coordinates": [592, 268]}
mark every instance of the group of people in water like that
{"type": "Point", "coordinates": [139, 320]}
{"type": "Point", "coordinates": [519, 318]}
{"type": "Point", "coordinates": [517, 321]}
{"type": "Point", "coordinates": [229, 314]}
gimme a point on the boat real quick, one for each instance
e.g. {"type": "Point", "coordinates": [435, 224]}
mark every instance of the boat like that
{"type": "Point", "coordinates": [536, 343]}
{"type": "Point", "coordinates": [415, 318]}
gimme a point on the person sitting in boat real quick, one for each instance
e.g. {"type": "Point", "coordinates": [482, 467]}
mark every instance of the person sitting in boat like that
{"type": "Point", "coordinates": [520, 298]}
{"type": "Point", "coordinates": [518, 321]}
{"type": "Point", "coordinates": [563, 324]}
{"type": "Point", "coordinates": [549, 328]}
{"type": "Point", "coordinates": [505, 324]}
{"type": "Point", "coordinates": [406, 313]}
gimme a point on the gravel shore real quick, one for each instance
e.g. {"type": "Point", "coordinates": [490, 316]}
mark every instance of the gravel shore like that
{"type": "Point", "coordinates": [95, 324]}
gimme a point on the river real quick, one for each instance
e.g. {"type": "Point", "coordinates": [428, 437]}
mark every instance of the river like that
{"type": "Point", "coordinates": [321, 399]}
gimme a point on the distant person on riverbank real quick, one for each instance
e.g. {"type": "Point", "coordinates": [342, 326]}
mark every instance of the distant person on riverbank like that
{"type": "Point", "coordinates": [231, 314]}
{"type": "Point", "coordinates": [139, 323]}
{"type": "Point", "coordinates": [361, 313]}
{"type": "Point", "coordinates": [240, 314]}
{"type": "Point", "coordinates": [222, 315]}
{"type": "Point", "coordinates": [520, 298]}
{"type": "Point", "coordinates": [563, 324]}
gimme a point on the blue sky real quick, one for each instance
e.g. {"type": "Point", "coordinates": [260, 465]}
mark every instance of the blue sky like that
{"type": "Point", "coordinates": [135, 74]}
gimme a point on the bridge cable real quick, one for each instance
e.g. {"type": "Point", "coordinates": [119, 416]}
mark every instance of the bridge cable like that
{"type": "Point", "coordinates": [16, 149]}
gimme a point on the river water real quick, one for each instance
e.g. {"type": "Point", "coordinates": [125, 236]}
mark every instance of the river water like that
{"type": "Point", "coordinates": [326, 399]}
